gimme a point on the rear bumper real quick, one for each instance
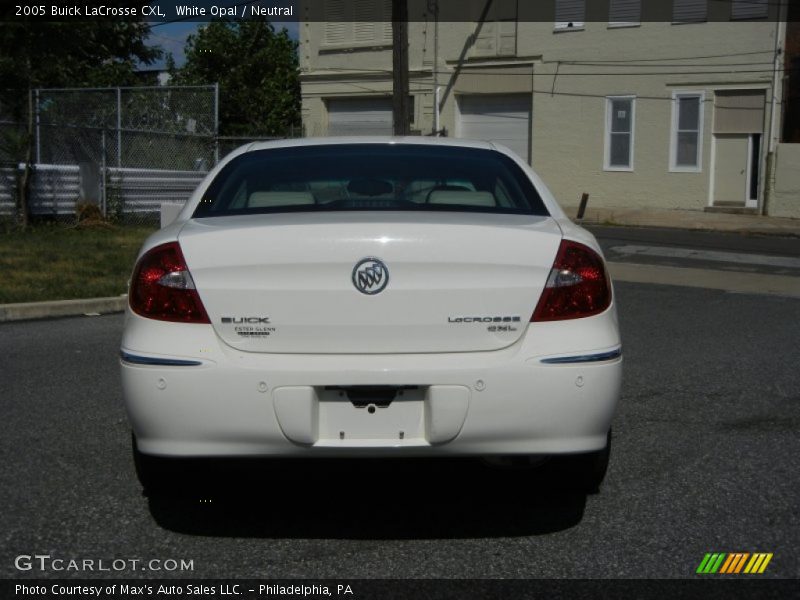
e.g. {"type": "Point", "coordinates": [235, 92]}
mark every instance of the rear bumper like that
{"type": "Point", "coordinates": [554, 391]}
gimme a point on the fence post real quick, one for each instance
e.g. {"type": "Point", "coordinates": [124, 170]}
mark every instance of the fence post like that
{"type": "Point", "coordinates": [103, 173]}
{"type": "Point", "coordinates": [119, 127]}
{"type": "Point", "coordinates": [582, 207]}
{"type": "Point", "coordinates": [38, 131]}
{"type": "Point", "coordinates": [216, 123]}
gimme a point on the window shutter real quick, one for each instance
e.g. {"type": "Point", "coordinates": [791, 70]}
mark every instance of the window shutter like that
{"type": "Point", "coordinates": [624, 12]}
{"type": "Point", "coordinates": [335, 32]}
{"type": "Point", "coordinates": [570, 13]}
{"type": "Point", "coordinates": [485, 42]}
{"type": "Point", "coordinates": [386, 22]}
{"type": "Point", "coordinates": [689, 11]}
{"type": "Point", "coordinates": [336, 27]}
{"type": "Point", "coordinates": [364, 20]}
{"type": "Point", "coordinates": [749, 9]}
{"type": "Point", "coordinates": [507, 38]}
{"type": "Point", "coordinates": [496, 38]}
{"type": "Point", "coordinates": [357, 22]}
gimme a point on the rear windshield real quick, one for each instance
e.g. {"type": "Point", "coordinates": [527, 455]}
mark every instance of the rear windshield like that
{"type": "Point", "coordinates": [343, 177]}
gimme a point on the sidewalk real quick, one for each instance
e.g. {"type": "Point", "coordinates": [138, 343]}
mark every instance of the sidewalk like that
{"type": "Point", "coordinates": [688, 219]}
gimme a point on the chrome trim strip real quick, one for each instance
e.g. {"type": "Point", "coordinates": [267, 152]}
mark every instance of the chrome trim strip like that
{"type": "Point", "coordinates": [161, 362]}
{"type": "Point", "coordinates": [585, 358]}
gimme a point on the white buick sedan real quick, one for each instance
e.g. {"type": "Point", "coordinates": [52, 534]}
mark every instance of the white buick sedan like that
{"type": "Point", "coordinates": [371, 297]}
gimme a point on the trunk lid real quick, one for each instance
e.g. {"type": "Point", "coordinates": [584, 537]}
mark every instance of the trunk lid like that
{"type": "Point", "coordinates": [286, 283]}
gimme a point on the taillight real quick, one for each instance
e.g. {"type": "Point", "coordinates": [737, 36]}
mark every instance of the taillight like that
{"type": "Point", "coordinates": [162, 287]}
{"type": "Point", "coordinates": [577, 286]}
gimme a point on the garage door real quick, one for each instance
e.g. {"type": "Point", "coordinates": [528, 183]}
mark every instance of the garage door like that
{"type": "Point", "coordinates": [502, 119]}
{"type": "Point", "coordinates": [360, 116]}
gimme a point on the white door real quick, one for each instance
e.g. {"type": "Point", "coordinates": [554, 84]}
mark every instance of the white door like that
{"type": "Point", "coordinates": [731, 169]}
{"type": "Point", "coordinates": [505, 119]}
{"type": "Point", "coordinates": [360, 116]}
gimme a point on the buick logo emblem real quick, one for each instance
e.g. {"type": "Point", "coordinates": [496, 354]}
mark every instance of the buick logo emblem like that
{"type": "Point", "coordinates": [370, 276]}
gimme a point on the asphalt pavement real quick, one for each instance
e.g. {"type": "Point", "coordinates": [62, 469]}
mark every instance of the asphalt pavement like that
{"type": "Point", "coordinates": [715, 250]}
{"type": "Point", "coordinates": [704, 460]}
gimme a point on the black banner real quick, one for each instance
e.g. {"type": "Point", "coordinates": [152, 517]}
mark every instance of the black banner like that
{"type": "Point", "coordinates": [544, 11]}
{"type": "Point", "coordinates": [388, 589]}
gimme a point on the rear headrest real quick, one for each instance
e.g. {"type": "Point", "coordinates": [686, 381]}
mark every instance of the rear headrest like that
{"type": "Point", "coordinates": [270, 199]}
{"type": "Point", "coordinates": [459, 197]}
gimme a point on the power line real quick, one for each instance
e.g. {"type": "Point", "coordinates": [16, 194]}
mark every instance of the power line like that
{"type": "Point", "coordinates": [496, 73]}
{"type": "Point", "coordinates": [548, 92]}
{"type": "Point", "coordinates": [671, 65]}
{"type": "Point", "coordinates": [626, 60]}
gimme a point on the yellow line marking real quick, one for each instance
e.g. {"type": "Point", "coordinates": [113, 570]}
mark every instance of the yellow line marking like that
{"type": "Point", "coordinates": [765, 563]}
{"type": "Point", "coordinates": [749, 567]}
{"type": "Point", "coordinates": [757, 564]}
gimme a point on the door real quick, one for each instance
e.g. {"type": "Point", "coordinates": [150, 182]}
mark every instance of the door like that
{"type": "Point", "coordinates": [738, 127]}
{"type": "Point", "coordinates": [731, 170]}
{"type": "Point", "coordinates": [505, 119]}
{"type": "Point", "coordinates": [360, 116]}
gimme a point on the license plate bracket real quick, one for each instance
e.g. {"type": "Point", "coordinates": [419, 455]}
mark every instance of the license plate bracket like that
{"type": "Point", "coordinates": [381, 396]}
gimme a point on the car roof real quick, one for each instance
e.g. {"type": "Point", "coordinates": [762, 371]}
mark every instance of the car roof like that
{"type": "Point", "coordinates": [383, 139]}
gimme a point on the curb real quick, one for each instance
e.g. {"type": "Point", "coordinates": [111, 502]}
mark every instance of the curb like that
{"type": "Point", "coordinates": [62, 308]}
{"type": "Point", "coordinates": [688, 220]}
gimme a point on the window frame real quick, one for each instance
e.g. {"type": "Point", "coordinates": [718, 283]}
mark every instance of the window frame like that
{"type": "Point", "coordinates": [674, 167]}
{"type": "Point", "coordinates": [607, 166]}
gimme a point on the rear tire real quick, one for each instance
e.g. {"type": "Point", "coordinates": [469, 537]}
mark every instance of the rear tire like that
{"type": "Point", "coordinates": [153, 472]}
{"type": "Point", "coordinates": [584, 472]}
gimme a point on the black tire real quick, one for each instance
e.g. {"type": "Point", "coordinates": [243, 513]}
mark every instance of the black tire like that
{"type": "Point", "coordinates": [584, 472]}
{"type": "Point", "coordinates": [153, 472]}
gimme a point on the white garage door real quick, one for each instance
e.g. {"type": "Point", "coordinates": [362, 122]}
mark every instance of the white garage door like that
{"type": "Point", "coordinates": [360, 116]}
{"type": "Point", "coordinates": [502, 119]}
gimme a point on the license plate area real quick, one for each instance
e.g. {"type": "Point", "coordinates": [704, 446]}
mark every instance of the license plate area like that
{"type": "Point", "coordinates": [371, 413]}
{"type": "Point", "coordinates": [364, 396]}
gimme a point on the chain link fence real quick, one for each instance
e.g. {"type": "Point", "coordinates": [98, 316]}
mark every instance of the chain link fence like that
{"type": "Point", "coordinates": [227, 144]}
{"type": "Point", "coordinates": [124, 150]}
{"type": "Point", "coordinates": [12, 147]}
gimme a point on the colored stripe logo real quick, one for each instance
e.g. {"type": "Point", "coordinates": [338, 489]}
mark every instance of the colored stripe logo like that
{"type": "Point", "coordinates": [734, 563]}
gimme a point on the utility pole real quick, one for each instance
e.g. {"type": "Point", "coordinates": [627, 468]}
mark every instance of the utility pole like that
{"type": "Point", "coordinates": [400, 93]}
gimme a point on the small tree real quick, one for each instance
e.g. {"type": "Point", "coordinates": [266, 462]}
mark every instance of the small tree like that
{"type": "Point", "coordinates": [51, 54]}
{"type": "Point", "coordinates": [257, 72]}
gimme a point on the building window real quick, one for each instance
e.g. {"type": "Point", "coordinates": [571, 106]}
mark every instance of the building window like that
{"type": "Point", "coordinates": [624, 13]}
{"type": "Point", "coordinates": [749, 9]}
{"type": "Point", "coordinates": [689, 11]}
{"type": "Point", "coordinates": [687, 131]}
{"type": "Point", "coordinates": [570, 14]}
{"type": "Point", "coordinates": [619, 133]}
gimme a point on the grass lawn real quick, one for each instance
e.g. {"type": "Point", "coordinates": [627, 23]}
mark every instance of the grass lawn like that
{"type": "Point", "coordinates": [57, 262]}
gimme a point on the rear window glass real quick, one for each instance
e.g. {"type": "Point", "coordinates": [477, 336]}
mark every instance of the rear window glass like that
{"type": "Point", "coordinates": [342, 177]}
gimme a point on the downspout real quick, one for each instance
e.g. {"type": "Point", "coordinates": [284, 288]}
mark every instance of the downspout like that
{"type": "Point", "coordinates": [777, 70]}
{"type": "Point", "coordinates": [436, 91]}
